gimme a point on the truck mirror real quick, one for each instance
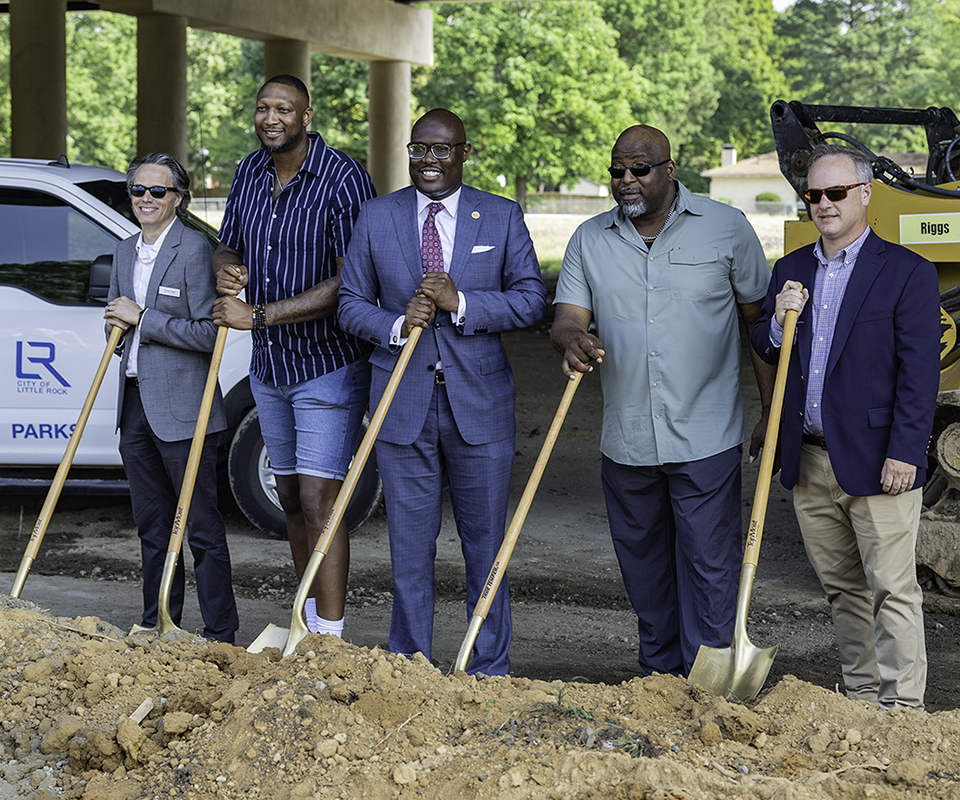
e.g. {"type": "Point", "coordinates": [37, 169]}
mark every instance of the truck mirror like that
{"type": "Point", "coordinates": [100, 277]}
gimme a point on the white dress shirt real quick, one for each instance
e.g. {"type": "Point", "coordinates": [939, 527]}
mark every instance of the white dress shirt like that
{"type": "Point", "coordinates": [446, 222]}
{"type": "Point", "coordinates": [142, 271]}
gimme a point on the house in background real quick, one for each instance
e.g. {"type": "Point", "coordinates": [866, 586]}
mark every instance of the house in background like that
{"type": "Point", "coordinates": [738, 183]}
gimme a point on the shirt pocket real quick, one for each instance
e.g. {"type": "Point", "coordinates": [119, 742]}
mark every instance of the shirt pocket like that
{"type": "Point", "coordinates": [694, 272]}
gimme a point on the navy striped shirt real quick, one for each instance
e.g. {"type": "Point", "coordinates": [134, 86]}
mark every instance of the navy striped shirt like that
{"type": "Point", "coordinates": [289, 246]}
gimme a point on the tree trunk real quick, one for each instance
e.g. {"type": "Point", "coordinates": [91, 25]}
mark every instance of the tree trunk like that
{"type": "Point", "coordinates": [520, 186]}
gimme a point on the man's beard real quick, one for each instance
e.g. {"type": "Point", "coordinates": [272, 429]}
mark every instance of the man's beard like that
{"type": "Point", "coordinates": [283, 147]}
{"type": "Point", "coordinates": [634, 209]}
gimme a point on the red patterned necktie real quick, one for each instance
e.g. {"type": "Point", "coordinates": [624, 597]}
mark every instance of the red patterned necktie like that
{"type": "Point", "coordinates": [431, 253]}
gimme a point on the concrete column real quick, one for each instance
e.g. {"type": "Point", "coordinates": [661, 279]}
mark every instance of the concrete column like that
{"type": "Point", "coordinates": [387, 160]}
{"type": "Point", "coordinates": [162, 85]}
{"type": "Point", "coordinates": [38, 78]}
{"type": "Point", "coordinates": [287, 57]}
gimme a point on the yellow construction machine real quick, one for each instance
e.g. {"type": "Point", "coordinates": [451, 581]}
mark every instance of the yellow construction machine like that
{"type": "Point", "coordinates": [922, 212]}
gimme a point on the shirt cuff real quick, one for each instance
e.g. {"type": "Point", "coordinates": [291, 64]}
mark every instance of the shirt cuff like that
{"type": "Point", "coordinates": [396, 340]}
{"type": "Point", "coordinates": [776, 332]}
{"type": "Point", "coordinates": [459, 316]}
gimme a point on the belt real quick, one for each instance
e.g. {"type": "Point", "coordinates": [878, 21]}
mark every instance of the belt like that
{"type": "Point", "coordinates": [133, 383]}
{"type": "Point", "coordinates": [438, 378]}
{"type": "Point", "coordinates": [813, 438]}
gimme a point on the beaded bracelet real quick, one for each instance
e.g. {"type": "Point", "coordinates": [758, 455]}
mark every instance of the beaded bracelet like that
{"type": "Point", "coordinates": [259, 317]}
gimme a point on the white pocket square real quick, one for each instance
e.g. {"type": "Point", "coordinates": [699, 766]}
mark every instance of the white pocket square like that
{"type": "Point", "coordinates": [481, 248]}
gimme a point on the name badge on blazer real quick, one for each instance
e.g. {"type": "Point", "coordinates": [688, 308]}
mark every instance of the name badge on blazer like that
{"type": "Point", "coordinates": [169, 291]}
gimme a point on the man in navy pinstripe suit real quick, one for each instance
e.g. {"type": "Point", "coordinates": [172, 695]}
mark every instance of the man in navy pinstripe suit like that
{"type": "Point", "coordinates": [288, 219]}
{"type": "Point", "coordinates": [458, 263]}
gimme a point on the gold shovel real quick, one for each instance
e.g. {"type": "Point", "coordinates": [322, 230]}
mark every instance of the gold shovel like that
{"type": "Point", "coordinates": [33, 546]}
{"type": "Point", "coordinates": [499, 567]}
{"type": "Point", "coordinates": [164, 621]}
{"type": "Point", "coordinates": [739, 671]}
{"type": "Point", "coordinates": [274, 635]}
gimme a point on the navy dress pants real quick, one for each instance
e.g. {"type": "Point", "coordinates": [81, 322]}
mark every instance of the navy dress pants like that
{"type": "Point", "coordinates": [677, 533]}
{"type": "Point", "coordinates": [155, 471]}
{"type": "Point", "coordinates": [479, 483]}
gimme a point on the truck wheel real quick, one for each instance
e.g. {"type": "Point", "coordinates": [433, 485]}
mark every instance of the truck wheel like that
{"type": "Point", "coordinates": [255, 489]}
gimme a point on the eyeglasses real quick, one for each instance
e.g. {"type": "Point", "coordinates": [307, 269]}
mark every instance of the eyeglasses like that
{"type": "Point", "coordinates": [834, 193]}
{"type": "Point", "coordinates": [637, 170]}
{"type": "Point", "coordinates": [440, 151]}
{"type": "Point", "coordinates": [159, 192]}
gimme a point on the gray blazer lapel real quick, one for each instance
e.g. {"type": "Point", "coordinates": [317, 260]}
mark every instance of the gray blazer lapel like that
{"type": "Point", "coordinates": [164, 259]}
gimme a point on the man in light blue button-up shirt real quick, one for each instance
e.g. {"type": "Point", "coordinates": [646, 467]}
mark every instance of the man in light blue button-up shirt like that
{"type": "Point", "coordinates": [663, 276]}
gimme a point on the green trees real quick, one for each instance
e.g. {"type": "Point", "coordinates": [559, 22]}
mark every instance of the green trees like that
{"type": "Point", "coordinates": [544, 87]}
{"type": "Point", "coordinates": [884, 53]}
{"type": "Point", "coordinates": [223, 75]}
{"type": "Point", "coordinates": [540, 87]}
{"type": "Point", "coordinates": [101, 88]}
{"type": "Point", "coordinates": [744, 52]}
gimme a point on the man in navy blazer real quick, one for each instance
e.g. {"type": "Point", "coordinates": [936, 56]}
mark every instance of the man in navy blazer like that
{"type": "Point", "coordinates": [857, 417]}
{"type": "Point", "coordinates": [458, 263]}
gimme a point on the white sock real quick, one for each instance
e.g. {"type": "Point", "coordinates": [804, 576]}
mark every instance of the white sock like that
{"type": "Point", "coordinates": [310, 612]}
{"type": "Point", "coordinates": [329, 626]}
{"type": "Point", "coordinates": [317, 624]}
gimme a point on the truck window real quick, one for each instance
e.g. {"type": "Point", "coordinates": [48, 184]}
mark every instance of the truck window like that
{"type": "Point", "coordinates": [47, 246]}
{"type": "Point", "coordinates": [114, 194]}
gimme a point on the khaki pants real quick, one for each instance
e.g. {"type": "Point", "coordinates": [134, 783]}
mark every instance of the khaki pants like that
{"type": "Point", "coordinates": [863, 550]}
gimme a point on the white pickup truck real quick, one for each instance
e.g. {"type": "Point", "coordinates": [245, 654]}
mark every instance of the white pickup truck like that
{"type": "Point", "coordinates": [59, 226]}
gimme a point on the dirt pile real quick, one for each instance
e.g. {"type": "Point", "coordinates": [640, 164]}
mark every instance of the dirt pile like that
{"type": "Point", "coordinates": [90, 713]}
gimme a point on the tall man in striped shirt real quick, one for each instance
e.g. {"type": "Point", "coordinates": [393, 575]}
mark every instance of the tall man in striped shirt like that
{"type": "Point", "coordinates": [288, 220]}
{"type": "Point", "coordinates": [857, 415]}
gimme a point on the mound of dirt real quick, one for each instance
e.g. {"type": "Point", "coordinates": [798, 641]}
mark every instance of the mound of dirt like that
{"type": "Point", "coordinates": [91, 713]}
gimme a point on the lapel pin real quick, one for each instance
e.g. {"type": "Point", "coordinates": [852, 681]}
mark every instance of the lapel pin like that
{"type": "Point", "coordinates": [475, 215]}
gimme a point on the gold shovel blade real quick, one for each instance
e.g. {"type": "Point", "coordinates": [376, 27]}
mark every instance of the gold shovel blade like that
{"type": "Point", "coordinates": [141, 629]}
{"type": "Point", "coordinates": [736, 673]}
{"type": "Point", "coordinates": [271, 636]}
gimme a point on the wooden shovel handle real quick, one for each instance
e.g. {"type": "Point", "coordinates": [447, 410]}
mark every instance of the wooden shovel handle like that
{"type": "Point", "coordinates": [365, 448]}
{"type": "Point", "coordinates": [53, 494]}
{"type": "Point", "coordinates": [499, 568]}
{"type": "Point", "coordinates": [755, 532]}
{"type": "Point", "coordinates": [298, 625]}
{"type": "Point", "coordinates": [164, 620]}
{"type": "Point", "coordinates": [196, 446]}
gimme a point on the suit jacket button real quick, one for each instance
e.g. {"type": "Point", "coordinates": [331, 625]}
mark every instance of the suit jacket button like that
{"type": "Point", "coordinates": [431, 368]}
{"type": "Point", "coordinates": [436, 324]}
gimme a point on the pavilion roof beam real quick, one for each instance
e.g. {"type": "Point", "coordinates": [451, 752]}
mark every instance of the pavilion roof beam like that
{"type": "Point", "coordinates": [364, 30]}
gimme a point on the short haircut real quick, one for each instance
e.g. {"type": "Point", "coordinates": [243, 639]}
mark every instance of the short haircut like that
{"type": "Point", "coordinates": [181, 180]}
{"type": "Point", "coordinates": [861, 163]}
{"type": "Point", "coordinates": [292, 81]}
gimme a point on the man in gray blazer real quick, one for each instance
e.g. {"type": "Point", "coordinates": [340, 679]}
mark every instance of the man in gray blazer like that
{"type": "Point", "coordinates": [459, 263]}
{"type": "Point", "coordinates": [161, 294]}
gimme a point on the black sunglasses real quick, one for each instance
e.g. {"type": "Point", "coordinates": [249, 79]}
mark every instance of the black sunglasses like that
{"type": "Point", "coordinates": [637, 170]}
{"type": "Point", "coordinates": [834, 193]}
{"type": "Point", "coordinates": [158, 192]}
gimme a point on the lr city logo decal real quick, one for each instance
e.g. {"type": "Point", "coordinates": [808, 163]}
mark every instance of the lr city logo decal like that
{"type": "Point", "coordinates": [32, 356]}
{"type": "Point", "coordinates": [37, 375]}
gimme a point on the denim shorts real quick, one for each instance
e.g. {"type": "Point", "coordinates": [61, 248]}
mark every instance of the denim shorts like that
{"type": "Point", "coordinates": [310, 428]}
